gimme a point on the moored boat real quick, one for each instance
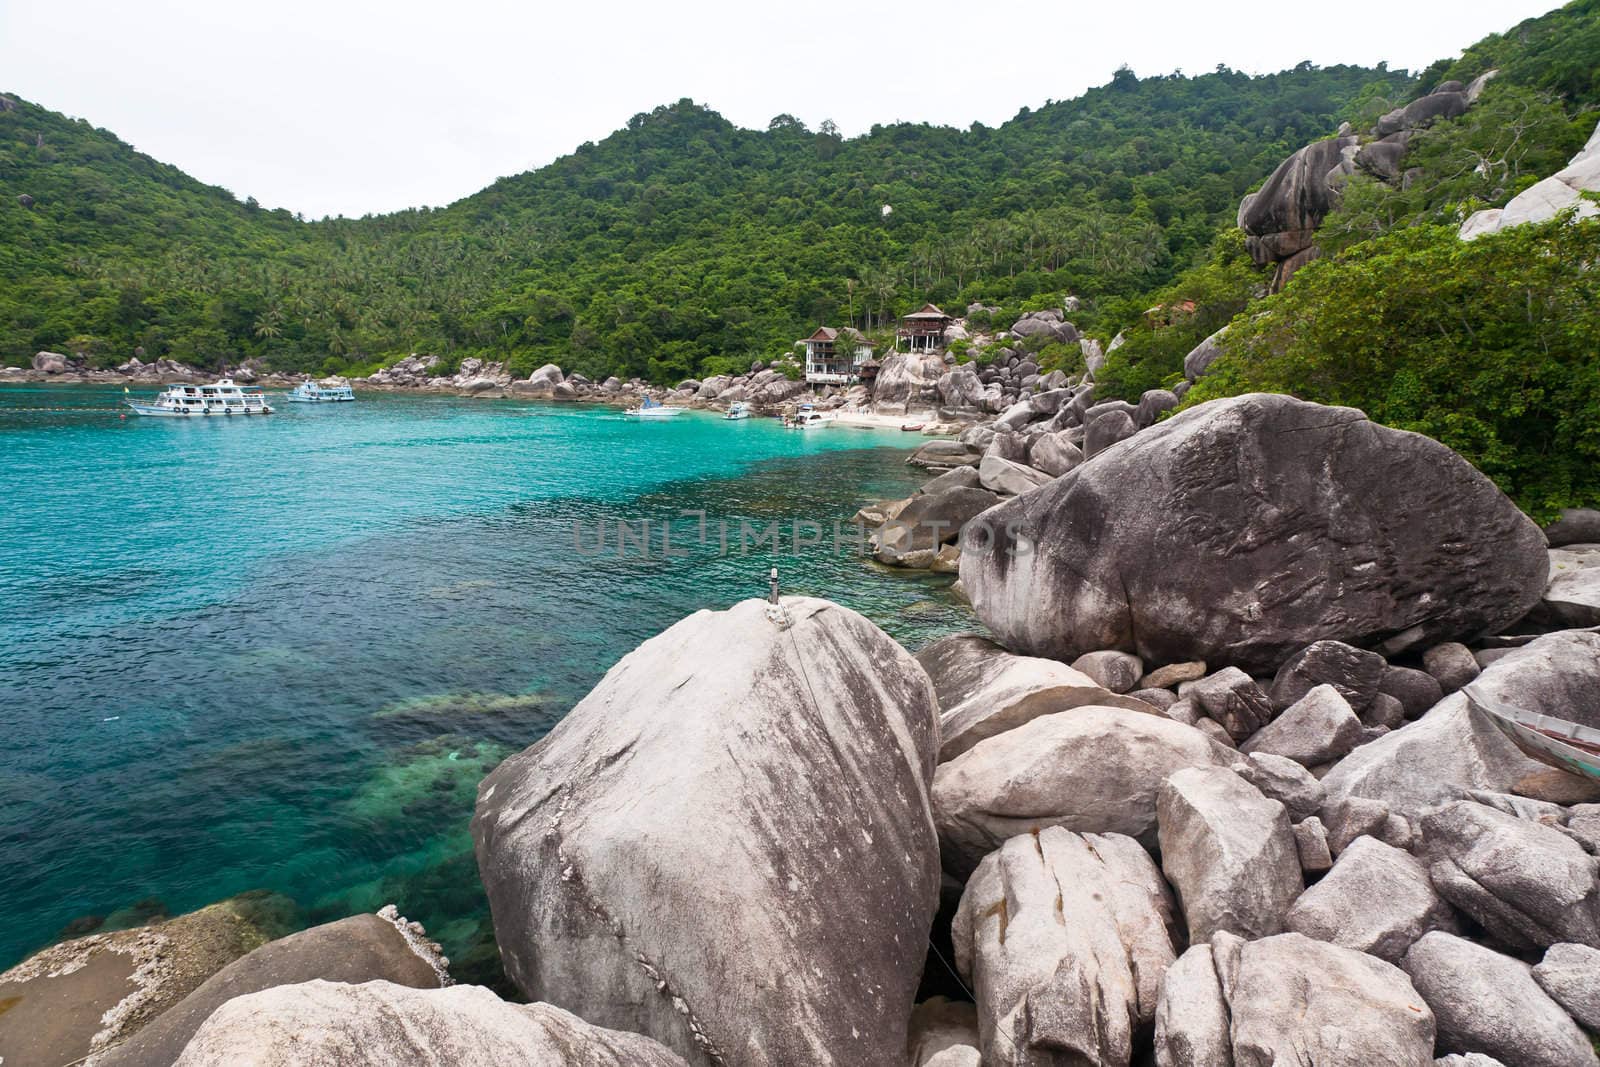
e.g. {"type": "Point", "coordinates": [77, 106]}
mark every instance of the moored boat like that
{"type": "Point", "coordinates": [737, 410]}
{"type": "Point", "coordinates": [650, 408]}
{"type": "Point", "coordinates": [808, 418]}
{"type": "Point", "coordinates": [1558, 743]}
{"type": "Point", "coordinates": [327, 391]}
{"type": "Point", "coordinates": [195, 401]}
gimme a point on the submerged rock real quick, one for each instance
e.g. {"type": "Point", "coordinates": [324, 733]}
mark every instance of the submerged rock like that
{"type": "Point", "coordinates": [727, 845]}
{"type": "Point", "coordinates": [1243, 530]}
{"type": "Point", "coordinates": [380, 1023]}
{"type": "Point", "coordinates": [92, 993]}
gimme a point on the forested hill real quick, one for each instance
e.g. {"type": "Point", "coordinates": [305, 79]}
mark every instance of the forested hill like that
{"type": "Point", "coordinates": [679, 244]}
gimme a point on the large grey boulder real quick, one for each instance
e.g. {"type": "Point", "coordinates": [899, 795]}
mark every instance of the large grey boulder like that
{"type": "Point", "coordinates": [1192, 1025]}
{"type": "Point", "coordinates": [908, 382]}
{"type": "Point", "coordinates": [1452, 748]}
{"type": "Point", "coordinates": [1354, 672]}
{"type": "Point", "coordinates": [1576, 526]}
{"type": "Point", "coordinates": [1489, 1003]}
{"type": "Point", "coordinates": [1009, 478]}
{"type": "Point", "coordinates": [1282, 779]}
{"type": "Point", "coordinates": [1106, 431]}
{"type": "Point", "coordinates": [1572, 598]}
{"type": "Point", "coordinates": [929, 520]}
{"type": "Point", "coordinates": [1377, 899]}
{"type": "Point", "coordinates": [938, 1025]}
{"type": "Point", "coordinates": [960, 389]}
{"type": "Point", "coordinates": [1064, 939]}
{"type": "Point", "coordinates": [1180, 544]}
{"type": "Point", "coordinates": [727, 845]}
{"type": "Point", "coordinates": [1318, 728]}
{"type": "Point", "coordinates": [380, 1023]}
{"type": "Point", "coordinates": [1281, 218]}
{"type": "Point", "coordinates": [1200, 358]}
{"type": "Point", "coordinates": [1092, 769]}
{"type": "Point", "coordinates": [361, 948]}
{"type": "Point", "coordinates": [984, 690]}
{"type": "Point", "coordinates": [1054, 453]}
{"type": "Point", "coordinates": [1571, 975]}
{"type": "Point", "coordinates": [1233, 699]}
{"type": "Point", "coordinates": [1228, 851]}
{"type": "Point", "coordinates": [1289, 999]}
{"type": "Point", "coordinates": [50, 363]}
{"type": "Point", "coordinates": [1529, 885]}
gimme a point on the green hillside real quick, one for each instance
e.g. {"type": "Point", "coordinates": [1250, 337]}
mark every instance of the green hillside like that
{"type": "Point", "coordinates": [678, 245]}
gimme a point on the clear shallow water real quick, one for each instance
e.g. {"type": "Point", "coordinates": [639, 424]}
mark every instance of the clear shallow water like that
{"type": "Point", "coordinates": [280, 653]}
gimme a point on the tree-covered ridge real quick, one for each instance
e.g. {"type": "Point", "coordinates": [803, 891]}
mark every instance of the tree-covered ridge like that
{"type": "Point", "coordinates": [677, 245]}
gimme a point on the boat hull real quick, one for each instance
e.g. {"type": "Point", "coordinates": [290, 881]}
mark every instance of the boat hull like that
{"type": "Point", "coordinates": [655, 413]}
{"type": "Point", "coordinates": [155, 412]}
{"type": "Point", "coordinates": [1558, 743]}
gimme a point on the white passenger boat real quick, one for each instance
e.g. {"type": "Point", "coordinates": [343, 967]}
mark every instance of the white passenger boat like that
{"type": "Point", "coordinates": [808, 418]}
{"type": "Point", "coordinates": [653, 409]}
{"type": "Point", "coordinates": [197, 401]}
{"type": "Point", "coordinates": [327, 391]}
{"type": "Point", "coordinates": [737, 410]}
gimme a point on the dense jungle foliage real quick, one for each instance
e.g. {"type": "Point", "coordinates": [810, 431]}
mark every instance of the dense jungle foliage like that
{"type": "Point", "coordinates": [679, 245]}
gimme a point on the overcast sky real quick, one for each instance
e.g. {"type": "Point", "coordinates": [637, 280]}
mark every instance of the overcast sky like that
{"type": "Point", "coordinates": [336, 107]}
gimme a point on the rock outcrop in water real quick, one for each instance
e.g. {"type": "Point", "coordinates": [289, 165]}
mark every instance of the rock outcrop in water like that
{"type": "Point", "coordinates": [728, 844]}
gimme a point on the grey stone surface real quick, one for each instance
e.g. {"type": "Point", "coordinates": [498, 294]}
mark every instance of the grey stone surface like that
{"type": "Point", "coordinates": [1092, 769]}
{"type": "Point", "coordinates": [1529, 885]}
{"type": "Point", "coordinates": [378, 1024]}
{"type": "Point", "coordinates": [1318, 728]}
{"type": "Point", "coordinates": [1377, 899]}
{"type": "Point", "coordinates": [1488, 1003]}
{"type": "Point", "coordinates": [1282, 779]}
{"type": "Point", "coordinates": [984, 690]}
{"type": "Point", "coordinates": [1354, 672]}
{"type": "Point", "coordinates": [1116, 671]}
{"type": "Point", "coordinates": [1233, 699]}
{"type": "Point", "coordinates": [1064, 938]}
{"type": "Point", "coordinates": [1311, 841]}
{"type": "Point", "coordinates": [1571, 975]}
{"type": "Point", "coordinates": [695, 827]}
{"type": "Point", "coordinates": [1390, 533]}
{"type": "Point", "coordinates": [1228, 851]}
{"type": "Point", "coordinates": [1451, 664]}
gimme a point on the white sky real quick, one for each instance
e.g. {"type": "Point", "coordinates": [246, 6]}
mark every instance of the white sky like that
{"type": "Point", "coordinates": [345, 107]}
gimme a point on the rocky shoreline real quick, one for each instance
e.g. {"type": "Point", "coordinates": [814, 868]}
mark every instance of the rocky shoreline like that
{"type": "Point", "coordinates": [1212, 791]}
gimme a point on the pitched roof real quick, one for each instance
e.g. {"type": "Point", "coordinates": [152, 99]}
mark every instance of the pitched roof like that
{"type": "Point", "coordinates": [928, 311]}
{"type": "Point", "coordinates": [822, 334]}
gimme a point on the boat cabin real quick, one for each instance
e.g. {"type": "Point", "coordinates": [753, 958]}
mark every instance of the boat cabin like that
{"type": "Point", "coordinates": [923, 330]}
{"type": "Point", "coordinates": [834, 357]}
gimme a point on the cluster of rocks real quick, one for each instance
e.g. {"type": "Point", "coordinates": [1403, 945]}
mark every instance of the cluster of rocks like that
{"type": "Point", "coordinates": [1212, 793]}
{"type": "Point", "coordinates": [1036, 440]}
{"type": "Point", "coordinates": [1562, 191]}
{"type": "Point", "coordinates": [1282, 217]}
{"type": "Point", "coordinates": [1246, 827]}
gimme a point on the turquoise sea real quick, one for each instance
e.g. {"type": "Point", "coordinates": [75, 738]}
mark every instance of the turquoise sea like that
{"type": "Point", "coordinates": [280, 653]}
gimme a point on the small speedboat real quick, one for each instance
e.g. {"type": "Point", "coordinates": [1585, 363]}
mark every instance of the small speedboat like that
{"type": "Point", "coordinates": [199, 401]}
{"type": "Point", "coordinates": [911, 427]}
{"type": "Point", "coordinates": [737, 410]}
{"type": "Point", "coordinates": [327, 391]}
{"type": "Point", "coordinates": [650, 408]}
